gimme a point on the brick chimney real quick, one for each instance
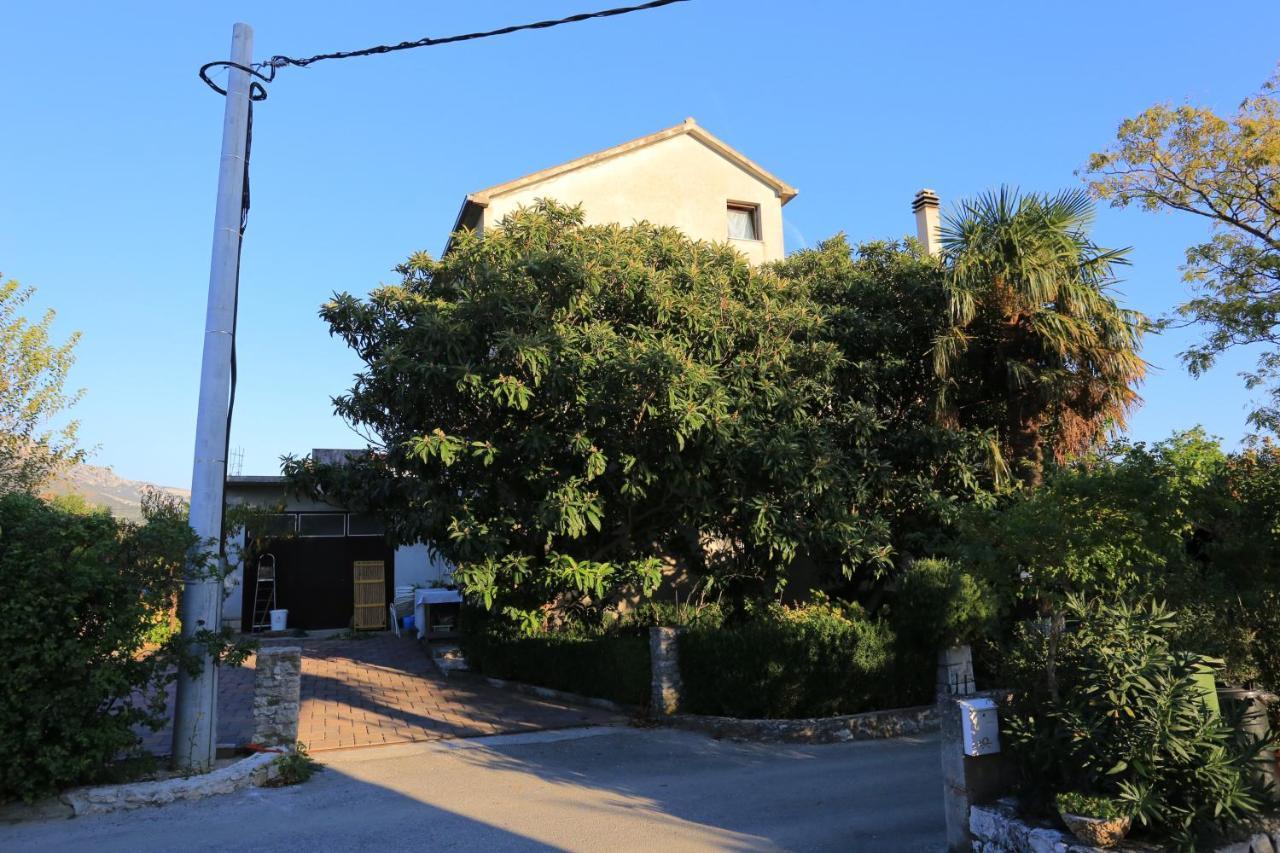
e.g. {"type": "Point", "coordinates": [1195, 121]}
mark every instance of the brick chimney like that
{"type": "Point", "coordinates": [925, 207]}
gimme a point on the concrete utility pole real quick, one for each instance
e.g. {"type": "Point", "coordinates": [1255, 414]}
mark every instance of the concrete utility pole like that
{"type": "Point", "coordinates": [195, 726]}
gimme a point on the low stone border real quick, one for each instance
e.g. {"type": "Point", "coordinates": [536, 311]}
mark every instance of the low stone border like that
{"type": "Point", "coordinates": [997, 828]}
{"type": "Point", "coordinates": [255, 770]}
{"type": "Point", "coordinates": [871, 725]}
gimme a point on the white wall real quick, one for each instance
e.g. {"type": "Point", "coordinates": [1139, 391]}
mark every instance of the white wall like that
{"type": "Point", "coordinates": [233, 584]}
{"type": "Point", "coordinates": [417, 565]}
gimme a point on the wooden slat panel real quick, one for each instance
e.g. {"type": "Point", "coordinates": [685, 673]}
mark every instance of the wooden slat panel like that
{"type": "Point", "coordinates": [370, 595]}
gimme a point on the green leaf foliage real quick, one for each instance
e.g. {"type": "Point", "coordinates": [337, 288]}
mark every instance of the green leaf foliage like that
{"type": "Point", "coordinates": [1085, 805]}
{"type": "Point", "coordinates": [1226, 172]}
{"type": "Point", "coordinates": [1181, 520]}
{"type": "Point", "coordinates": [1036, 347]}
{"type": "Point", "coordinates": [608, 664]}
{"type": "Point", "coordinates": [82, 594]}
{"type": "Point", "coordinates": [938, 605]}
{"type": "Point", "coordinates": [566, 408]}
{"type": "Point", "coordinates": [33, 369]}
{"type": "Point", "coordinates": [883, 306]}
{"type": "Point", "coordinates": [1109, 707]}
{"type": "Point", "coordinates": [815, 660]}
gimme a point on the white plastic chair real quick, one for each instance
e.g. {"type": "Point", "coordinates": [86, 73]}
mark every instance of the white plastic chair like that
{"type": "Point", "coordinates": [401, 606]}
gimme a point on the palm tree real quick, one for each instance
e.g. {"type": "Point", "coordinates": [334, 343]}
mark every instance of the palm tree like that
{"type": "Point", "coordinates": [1036, 349]}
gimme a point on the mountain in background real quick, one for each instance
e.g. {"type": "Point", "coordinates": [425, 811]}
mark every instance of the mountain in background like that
{"type": "Point", "coordinates": [103, 487]}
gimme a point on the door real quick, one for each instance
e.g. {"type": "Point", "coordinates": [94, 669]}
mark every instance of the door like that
{"type": "Point", "coordinates": [315, 575]}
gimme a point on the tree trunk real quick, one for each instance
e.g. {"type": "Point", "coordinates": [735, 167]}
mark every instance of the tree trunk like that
{"type": "Point", "coordinates": [1026, 448]}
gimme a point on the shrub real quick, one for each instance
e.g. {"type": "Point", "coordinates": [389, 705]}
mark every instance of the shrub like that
{"type": "Point", "coordinates": [1102, 808]}
{"type": "Point", "coordinates": [294, 768]}
{"type": "Point", "coordinates": [681, 613]}
{"type": "Point", "coordinates": [786, 662]}
{"type": "Point", "coordinates": [1108, 708]}
{"type": "Point", "coordinates": [1179, 520]}
{"type": "Point", "coordinates": [606, 664]}
{"type": "Point", "coordinates": [81, 594]}
{"type": "Point", "coordinates": [940, 605]}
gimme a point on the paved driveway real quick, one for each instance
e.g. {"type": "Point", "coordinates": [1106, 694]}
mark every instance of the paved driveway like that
{"type": "Point", "coordinates": [596, 789]}
{"type": "Point", "coordinates": [384, 690]}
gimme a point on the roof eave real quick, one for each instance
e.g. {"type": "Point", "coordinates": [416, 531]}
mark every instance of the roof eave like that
{"type": "Point", "coordinates": [785, 191]}
{"type": "Point", "coordinates": [468, 204]}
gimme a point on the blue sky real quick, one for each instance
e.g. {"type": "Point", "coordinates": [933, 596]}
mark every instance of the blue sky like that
{"type": "Point", "coordinates": [109, 153]}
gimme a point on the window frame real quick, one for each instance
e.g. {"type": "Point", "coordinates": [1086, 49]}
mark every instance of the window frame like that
{"type": "Point", "coordinates": [744, 207]}
{"type": "Point", "coordinates": [341, 515]}
{"type": "Point", "coordinates": [350, 515]}
{"type": "Point", "coordinates": [254, 534]}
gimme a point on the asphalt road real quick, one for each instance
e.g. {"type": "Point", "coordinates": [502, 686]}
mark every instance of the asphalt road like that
{"type": "Point", "coordinates": [599, 789]}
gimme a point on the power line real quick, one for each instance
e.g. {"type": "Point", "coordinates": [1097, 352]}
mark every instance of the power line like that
{"type": "Point", "coordinates": [266, 71]}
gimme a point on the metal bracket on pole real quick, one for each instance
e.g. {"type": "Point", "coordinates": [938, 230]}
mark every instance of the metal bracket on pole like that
{"type": "Point", "coordinates": [195, 717]}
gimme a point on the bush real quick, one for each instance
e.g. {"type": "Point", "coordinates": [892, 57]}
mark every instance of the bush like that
{"type": "Point", "coordinates": [608, 665]}
{"type": "Point", "coordinates": [1107, 708]}
{"type": "Point", "coordinates": [939, 605]}
{"type": "Point", "coordinates": [294, 768]}
{"type": "Point", "coordinates": [81, 594]}
{"type": "Point", "coordinates": [1179, 520]}
{"type": "Point", "coordinates": [817, 660]}
{"type": "Point", "coordinates": [1084, 805]}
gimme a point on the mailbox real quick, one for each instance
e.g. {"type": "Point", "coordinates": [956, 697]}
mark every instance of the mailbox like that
{"type": "Point", "coordinates": [981, 726]}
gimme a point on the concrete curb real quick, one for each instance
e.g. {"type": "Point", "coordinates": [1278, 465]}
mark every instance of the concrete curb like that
{"type": "Point", "coordinates": [255, 770]}
{"type": "Point", "coordinates": [872, 725]}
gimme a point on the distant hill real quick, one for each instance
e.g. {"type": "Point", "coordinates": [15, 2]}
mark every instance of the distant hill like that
{"type": "Point", "coordinates": [103, 487]}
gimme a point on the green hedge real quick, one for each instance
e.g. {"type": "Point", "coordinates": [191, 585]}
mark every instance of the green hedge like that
{"type": "Point", "coordinates": [81, 595]}
{"type": "Point", "coordinates": [609, 666]}
{"type": "Point", "coordinates": [814, 661]}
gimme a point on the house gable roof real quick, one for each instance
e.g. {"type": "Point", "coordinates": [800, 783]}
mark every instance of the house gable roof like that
{"type": "Point", "coordinates": [481, 198]}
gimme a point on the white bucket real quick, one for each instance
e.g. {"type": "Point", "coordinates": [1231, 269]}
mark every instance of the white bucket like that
{"type": "Point", "coordinates": [278, 619]}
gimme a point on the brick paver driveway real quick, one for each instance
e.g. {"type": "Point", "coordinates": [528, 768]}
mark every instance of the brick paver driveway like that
{"type": "Point", "coordinates": [384, 690]}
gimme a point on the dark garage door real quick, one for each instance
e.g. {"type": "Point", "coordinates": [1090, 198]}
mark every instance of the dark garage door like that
{"type": "Point", "coordinates": [314, 575]}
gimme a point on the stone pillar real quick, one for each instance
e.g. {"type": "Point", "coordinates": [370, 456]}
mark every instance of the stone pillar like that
{"type": "Point", "coordinates": [276, 696]}
{"type": "Point", "coordinates": [955, 673]}
{"type": "Point", "coordinates": [1253, 725]}
{"type": "Point", "coordinates": [966, 780]}
{"type": "Point", "coordinates": [664, 659]}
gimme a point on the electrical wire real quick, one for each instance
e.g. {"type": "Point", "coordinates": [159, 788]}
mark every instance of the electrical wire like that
{"type": "Point", "coordinates": [266, 71]}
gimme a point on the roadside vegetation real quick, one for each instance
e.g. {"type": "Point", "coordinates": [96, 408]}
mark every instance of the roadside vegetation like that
{"type": "Point", "coordinates": [829, 468]}
{"type": "Point", "coordinates": [826, 470]}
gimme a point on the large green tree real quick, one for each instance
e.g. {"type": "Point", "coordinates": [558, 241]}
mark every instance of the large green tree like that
{"type": "Point", "coordinates": [883, 305]}
{"type": "Point", "coordinates": [561, 408]}
{"type": "Point", "coordinates": [1225, 170]}
{"type": "Point", "coordinates": [34, 446]}
{"type": "Point", "coordinates": [1034, 346]}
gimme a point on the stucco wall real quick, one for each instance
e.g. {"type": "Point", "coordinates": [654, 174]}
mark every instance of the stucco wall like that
{"type": "Point", "coordinates": [416, 565]}
{"type": "Point", "coordinates": [678, 181]}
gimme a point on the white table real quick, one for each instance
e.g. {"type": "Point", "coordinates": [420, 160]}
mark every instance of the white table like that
{"type": "Point", "coordinates": [422, 601]}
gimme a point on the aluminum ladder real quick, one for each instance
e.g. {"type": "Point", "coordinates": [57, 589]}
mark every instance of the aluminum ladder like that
{"type": "Point", "coordinates": [264, 596]}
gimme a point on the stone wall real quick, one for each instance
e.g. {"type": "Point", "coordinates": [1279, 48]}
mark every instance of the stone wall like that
{"type": "Point", "coordinates": [664, 657]}
{"type": "Point", "coordinates": [869, 726]}
{"type": "Point", "coordinates": [997, 828]}
{"type": "Point", "coordinates": [276, 695]}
